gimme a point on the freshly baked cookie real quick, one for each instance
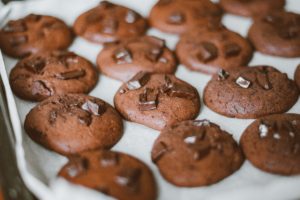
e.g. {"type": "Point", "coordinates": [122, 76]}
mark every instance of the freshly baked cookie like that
{"type": "Point", "coordinates": [73, 123]}
{"type": "Point", "coordinates": [250, 93]}
{"type": "Point", "coordinates": [122, 61]}
{"type": "Point", "coordinates": [272, 144]}
{"type": "Point", "coordinates": [116, 174]}
{"type": "Point", "coordinates": [196, 153]}
{"type": "Point", "coordinates": [157, 100]}
{"type": "Point", "coordinates": [277, 34]}
{"type": "Point", "coordinates": [297, 76]}
{"type": "Point", "coordinates": [33, 34]}
{"type": "Point", "coordinates": [251, 8]}
{"type": "Point", "coordinates": [212, 48]}
{"type": "Point", "coordinates": [179, 16]}
{"type": "Point", "coordinates": [109, 22]}
{"type": "Point", "coordinates": [42, 75]}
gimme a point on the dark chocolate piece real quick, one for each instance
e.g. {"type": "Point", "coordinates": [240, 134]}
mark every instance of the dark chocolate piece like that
{"type": "Point", "coordinates": [109, 158]}
{"type": "Point", "coordinates": [110, 26]}
{"type": "Point", "coordinates": [94, 106]}
{"type": "Point", "coordinates": [181, 91]}
{"type": "Point", "coordinates": [107, 45]}
{"type": "Point", "coordinates": [159, 150]}
{"type": "Point", "coordinates": [164, 2]}
{"type": "Point", "coordinates": [153, 54]}
{"type": "Point", "coordinates": [207, 52]}
{"type": "Point", "coordinates": [93, 18]}
{"type": "Point", "coordinates": [243, 82]}
{"type": "Point", "coordinates": [18, 40]}
{"type": "Point", "coordinates": [274, 20]}
{"type": "Point", "coordinates": [71, 75]}
{"type": "Point", "coordinates": [167, 86]}
{"type": "Point", "coordinates": [286, 125]}
{"type": "Point", "coordinates": [122, 55]}
{"type": "Point", "coordinates": [269, 123]}
{"type": "Point", "coordinates": [105, 5]}
{"type": "Point", "coordinates": [15, 26]}
{"type": "Point", "coordinates": [222, 75]}
{"type": "Point", "coordinates": [131, 16]}
{"type": "Point", "coordinates": [148, 101]}
{"type": "Point", "coordinates": [194, 136]}
{"type": "Point", "coordinates": [200, 150]}
{"type": "Point", "coordinates": [35, 66]}
{"type": "Point", "coordinates": [262, 79]}
{"type": "Point", "coordinates": [176, 17]}
{"type": "Point", "coordinates": [138, 81]}
{"type": "Point", "coordinates": [155, 41]}
{"type": "Point", "coordinates": [33, 18]}
{"type": "Point", "coordinates": [129, 178]}
{"type": "Point", "coordinates": [77, 166]}
{"type": "Point", "coordinates": [231, 49]}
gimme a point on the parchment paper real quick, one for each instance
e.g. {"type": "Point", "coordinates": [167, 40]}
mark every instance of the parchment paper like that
{"type": "Point", "coordinates": [39, 167]}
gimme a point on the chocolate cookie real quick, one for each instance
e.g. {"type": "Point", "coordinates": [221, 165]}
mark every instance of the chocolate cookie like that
{"type": "Point", "coordinates": [109, 22]}
{"type": "Point", "coordinates": [42, 75]}
{"type": "Point", "coordinates": [297, 76]}
{"type": "Point", "coordinates": [251, 8]}
{"type": "Point", "coordinates": [250, 92]}
{"type": "Point", "coordinates": [33, 34]}
{"type": "Point", "coordinates": [73, 123]}
{"type": "Point", "coordinates": [277, 34]}
{"type": "Point", "coordinates": [212, 48]}
{"type": "Point", "coordinates": [179, 16]}
{"type": "Point", "coordinates": [157, 100]}
{"type": "Point", "coordinates": [196, 153]}
{"type": "Point", "coordinates": [122, 61]}
{"type": "Point", "coordinates": [272, 144]}
{"type": "Point", "coordinates": [116, 174]}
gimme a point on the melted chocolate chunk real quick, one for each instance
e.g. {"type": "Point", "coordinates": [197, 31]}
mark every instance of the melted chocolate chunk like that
{"type": "Point", "coordinates": [155, 41]}
{"type": "Point", "coordinates": [105, 5]}
{"type": "Point", "coordinates": [77, 166]}
{"type": "Point", "coordinates": [94, 106]}
{"type": "Point", "coordinates": [138, 81]}
{"type": "Point", "coordinates": [153, 54]}
{"type": "Point", "coordinates": [200, 150]}
{"type": "Point", "coordinates": [131, 16]}
{"type": "Point", "coordinates": [110, 26]}
{"type": "Point", "coordinates": [122, 55]}
{"type": "Point", "coordinates": [108, 158]}
{"type": "Point", "coordinates": [194, 135]}
{"type": "Point", "coordinates": [181, 91]}
{"type": "Point", "coordinates": [159, 150]}
{"type": "Point", "coordinates": [85, 118]}
{"type": "Point", "coordinates": [164, 2]}
{"type": "Point", "coordinates": [40, 87]}
{"type": "Point", "coordinates": [167, 86]}
{"type": "Point", "coordinates": [147, 101]}
{"type": "Point", "coordinates": [18, 40]}
{"type": "Point", "coordinates": [269, 123]}
{"type": "Point", "coordinates": [34, 65]}
{"type": "Point", "coordinates": [33, 18]}
{"type": "Point", "coordinates": [93, 18]}
{"type": "Point", "coordinates": [231, 50]}
{"type": "Point", "coordinates": [129, 178]}
{"type": "Point", "coordinates": [243, 82]}
{"type": "Point", "coordinates": [71, 75]}
{"type": "Point", "coordinates": [176, 17]}
{"type": "Point", "coordinates": [262, 79]}
{"type": "Point", "coordinates": [207, 52]}
{"type": "Point", "coordinates": [222, 75]}
{"type": "Point", "coordinates": [15, 27]}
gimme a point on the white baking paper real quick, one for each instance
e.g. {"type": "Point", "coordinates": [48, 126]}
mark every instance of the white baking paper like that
{"type": "Point", "coordinates": [39, 166]}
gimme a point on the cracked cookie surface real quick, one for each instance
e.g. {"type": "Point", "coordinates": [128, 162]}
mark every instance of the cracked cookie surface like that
{"type": "Point", "coordinates": [250, 92]}
{"type": "Point", "coordinates": [42, 75]}
{"type": "Point", "coordinates": [73, 123]}
{"type": "Point", "coordinates": [157, 100]}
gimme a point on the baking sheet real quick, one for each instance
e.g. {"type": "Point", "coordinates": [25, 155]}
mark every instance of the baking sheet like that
{"type": "Point", "coordinates": [39, 167]}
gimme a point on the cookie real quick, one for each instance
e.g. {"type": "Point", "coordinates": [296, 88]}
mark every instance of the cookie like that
{"type": "Point", "coordinates": [157, 100]}
{"type": "Point", "coordinates": [277, 34]}
{"type": "Point", "coordinates": [110, 22]}
{"type": "Point", "coordinates": [34, 34]}
{"type": "Point", "coordinates": [73, 123]}
{"type": "Point", "coordinates": [42, 75]}
{"type": "Point", "coordinates": [116, 174]}
{"type": "Point", "coordinates": [178, 16]}
{"type": "Point", "coordinates": [122, 61]}
{"type": "Point", "coordinates": [196, 153]}
{"type": "Point", "coordinates": [297, 76]}
{"type": "Point", "coordinates": [250, 93]}
{"type": "Point", "coordinates": [251, 8]}
{"type": "Point", "coordinates": [212, 48]}
{"type": "Point", "coordinates": [272, 144]}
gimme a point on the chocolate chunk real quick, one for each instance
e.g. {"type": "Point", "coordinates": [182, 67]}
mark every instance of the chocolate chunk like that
{"type": "Point", "coordinates": [147, 101]}
{"type": "Point", "coordinates": [108, 158]}
{"type": "Point", "coordinates": [110, 26]}
{"type": "Point", "coordinates": [269, 123]}
{"type": "Point", "coordinates": [167, 86]}
{"type": "Point", "coordinates": [40, 87]}
{"type": "Point", "coordinates": [18, 40]}
{"type": "Point", "coordinates": [155, 41]}
{"type": "Point", "coordinates": [181, 91]}
{"type": "Point", "coordinates": [129, 178]}
{"type": "Point", "coordinates": [200, 150]}
{"type": "Point", "coordinates": [77, 166]}
{"type": "Point", "coordinates": [108, 45]}
{"type": "Point", "coordinates": [207, 52]}
{"type": "Point", "coordinates": [94, 106]}
{"type": "Point", "coordinates": [207, 13]}
{"type": "Point", "coordinates": [274, 20]}
{"type": "Point", "coordinates": [15, 27]}
{"type": "Point", "coordinates": [195, 135]}
{"type": "Point", "coordinates": [159, 150]}
{"type": "Point", "coordinates": [33, 18]}
{"type": "Point", "coordinates": [164, 2]}
{"type": "Point", "coordinates": [105, 5]}
{"type": "Point", "coordinates": [63, 55]}
{"type": "Point", "coordinates": [34, 65]}
{"type": "Point", "coordinates": [262, 79]}
{"type": "Point", "coordinates": [131, 16]}
{"type": "Point", "coordinates": [85, 119]}
{"type": "Point", "coordinates": [122, 55]}
{"type": "Point", "coordinates": [93, 18]}
{"type": "Point", "coordinates": [222, 75]}
{"type": "Point", "coordinates": [231, 49]}
{"type": "Point", "coordinates": [287, 126]}
{"type": "Point", "coordinates": [138, 81]}
{"type": "Point", "coordinates": [71, 75]}
{"type": "Point", "coordinates": [176, 17]}
{"type": "Point", "coordinates": [201, 123]}
{"type": "Point", "coordinates": [47, 24]}
{"type": "Point", "coordinates": [243, 82]}
{"type": "Point", "coordinates": [153, 54]}
{"type": "Point", "coordinates": [52, 117]}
